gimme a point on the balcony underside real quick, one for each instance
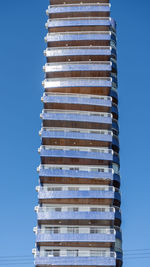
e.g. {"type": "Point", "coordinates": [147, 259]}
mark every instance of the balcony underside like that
{"type": "Point", "coordinates": [111, 223]}
{"type": "Point", "coordinates": [61, 2]}
{"type": "Point", "coordinates": [78, 14]}
{"type": "Point", "coordinates": [78, 73]}
{"type": "Point", "coordinates": [79, 58]}
{"type": "Point", "coordinates": [73, 142]}
{"type": "Point", "coordinates": [73, 160]}
{"type": "Point", "coordinates": [77, 106]}
{"type": "Point", "coordinates": [76, 124]}
{"type": "Point", "coordinates": [81, 201]}
{"type": "Point", "coordinates": [77, 244]}
{"type": "Point", "coordinates": [78, 28]}
{"type": "Point", "coordinates": [79, 43]}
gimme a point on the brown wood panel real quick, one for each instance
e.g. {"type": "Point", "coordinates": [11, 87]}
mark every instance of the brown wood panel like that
{"type": "Point", "coordinates": [78, 14]}
{"type": "Point", "coordinates": [79, 58]}
{"type": "Point", "coordinates": [74, 142]}
{"type": "Point", "coordinates": [78, 74]}
{"type": "Point", "coordinates": [74, 124]}
{"type": "Point", "coordinates": [77, 201]}
{"type": "Point", "coordinates": [79, 43]}
{"type": "Point", "coordinates": [79, 28]}
{"type": "Point", "coordinates": [76, 181]}
{"type": "Point", "coordinates": [81, 222]}
{"type": "Point", "coordinates": [78, 244]}
{"type": "Point", "coordinates": [66, 106]}
{"type": "Point", "coordinates": [59, 2]}
{"type": "Point", "coordinates": [72, 161]}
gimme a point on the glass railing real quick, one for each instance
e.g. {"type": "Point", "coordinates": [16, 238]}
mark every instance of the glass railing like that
{"type": "Point", "coordinates": [78, 149]}
{"type": "Point", "coordinates": [75, 168]}
{"type": "Point", "coordinates": [76, 188]}
{"type": "Point", "coordinates": [87, 113]}
{"type": "Point", "coordinates": [49, 49]}
{"type": "Point", "coordinates": [74, 130]}
{"type": "Point", "coordinates": [97, 97]}
{"type": "Point", "coordinates": [80, 4]}
{"type": "Point", "coordinates": [76, 230]}
{"type": "Point", "coordinates": [75, 209]}
{"type": "Point", "coordinates": [75, 253]}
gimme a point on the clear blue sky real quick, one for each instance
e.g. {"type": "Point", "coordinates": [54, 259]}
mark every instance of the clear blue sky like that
{"type": "Point", "coordinates": [21, 58]}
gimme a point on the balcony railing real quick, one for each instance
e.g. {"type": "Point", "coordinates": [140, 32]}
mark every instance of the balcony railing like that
{"type": "Point", "coordinates": [77, 149]}
{"type": "Point", "coordinates": [53, 213]}
{"type": "Point", "coordinates": [88, 7]}
{"type": "Point", "coordinates": [79, 82]}
{"type": "Point", "coordinates": [79, 50]}
{"type": "Point", "coordinates": [69, 209]}
{"type": "Point", "coordinates": [70, 95]}
{"type": "Point", "coordinates": [100, 114]}
{"type": "Point", "coordinates": [83, 253]}
{"type": "Point", "coordinates": [80, 36]}
{"type": "Point", "coordinates": [87, 231]}
{"type": "Point", "coordinates": [79, 66]}
{"type": "Point", "coordinates": [74, 130]}
{"type": "Point", "coordinates": [76, 168]}
{"type": "Point", "coordinates": [79, 21]}
{"type": "Point", "coordinates": [105, 260]}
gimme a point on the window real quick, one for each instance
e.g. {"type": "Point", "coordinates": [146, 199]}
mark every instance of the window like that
{"type": "Point", "coordinates": [97, 253]}
{"type": "Point", "coordinates": [73, 209]}
{"type": "Point", "coordinates": [48, 253]}
{"type": "Point", "coordinates": [73, 188]}
{"type": "Point", "coordinates": [73, 230]}
{"type": "Point", "coordinates": [56, 253]}
{"type": "Point", "coordinates": [58, 209]}
{"type": "Point", "coordinates": [72, 253]}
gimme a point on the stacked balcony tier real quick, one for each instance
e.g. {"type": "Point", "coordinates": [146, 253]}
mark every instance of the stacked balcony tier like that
{"type": "Point", "coordinates": [78, 212]}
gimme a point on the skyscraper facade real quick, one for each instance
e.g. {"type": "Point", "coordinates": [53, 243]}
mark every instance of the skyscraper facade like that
{"type": "Point", "coordinates": [78, 215]}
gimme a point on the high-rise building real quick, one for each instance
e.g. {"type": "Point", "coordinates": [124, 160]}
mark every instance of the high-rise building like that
{"type": "Point", "coordinates": [78, 216]}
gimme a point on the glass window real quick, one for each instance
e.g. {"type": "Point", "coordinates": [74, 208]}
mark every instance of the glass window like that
{"type": "Point", "coordinates": [72, 253]}
{"type": "Point", "coordinates": [73, 230]}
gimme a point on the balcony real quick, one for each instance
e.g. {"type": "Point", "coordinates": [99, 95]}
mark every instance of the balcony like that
{"type": "Point", "coordinates": [104, 119]}
{"type": "Point", "coordinates": [71, 115]}
{"type": "Point", "coordinates": [79, 152]}
{"type": "Point", "coordinates": [80, 51]}
{"type": "Point", "coordinates": [106, 214]}
{"type": "Point", "coordinates": [79, 172]}
{"type": "Point", "coordinates": [78, 82]}
{"type": "Point", "coordinates": [103, 192]}
{"type": "Point", "coordinates": [77, 99]}
{"type": "Point", "coordinates": [78, 8]}
{"type": "Point", "coordinates": [82, 21]}
{"type": "Point", "coordinates": [81, 36]}
{"type": "Point", "coordinates": [106, 260]}
{"type": "Point", "coordinates": [104, 235]}
{"type": "Point", "coordinates": [79, 134]}
{"type": "Point", "coordinates": [78, 66]}
{"type": "Point", "coordinates": [87, 101]}
{"type": "Point", "coordinates": [87, 68]}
